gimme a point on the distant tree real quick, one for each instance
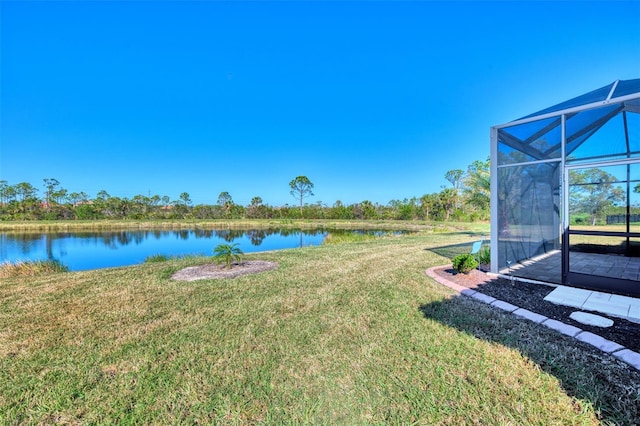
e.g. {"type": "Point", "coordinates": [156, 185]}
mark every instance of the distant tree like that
{"type": "Point", "coordinates": [446, 202]}
{"type": "Point", "coordinates": [428, 204]}
{"type": "Point", "coordinates": [5, 192]}
{"type": "Point", "coordinates": [26, 195]}
{"type": "Point", "coordinates": [141, 206]}
{"type": "Point", "coordinates": [406, 209]}
{"type": "Point", "coordinates": [592, 191]}
{"type": "Point", "coordinates": [185, 198]}
{"type": "Point", "coordinates": [477, 185]}
{"type": "Point", "coordinates": [316, 210]}
{"type": "Point", "coordinates": [301, 187]}
{"type": "Point", "coordinates": [77, 197]}
{"type": "Point", "coordinates": [340, 211]}
{"type": "Point", "coordinates": [256, 209]}
{"type": "Point", "coordinates": [224, 199]}
{"type": "Point", "coordinates": [368, 209]}
{"type": "Point", "coordinates": [181, 206]}
{"type": "Point", "coordinates": [50, 186]}
{"type": "Point", "coordinates": [455, 178]}
{"type": "Point", "coordinates": [226, 203]}
{"type": "Point", "coordinates": [123, 206]}
{"type": "Point", "coordinates": [80, 207]}
{"type": "Point", "coordinates": [102, 195]}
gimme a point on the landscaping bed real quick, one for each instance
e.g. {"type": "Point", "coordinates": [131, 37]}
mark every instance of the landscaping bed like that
{"type": "Point", "coordinates": [531, 296]}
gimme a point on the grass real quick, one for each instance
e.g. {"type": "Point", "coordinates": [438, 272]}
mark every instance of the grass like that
{"type": "Point", "coordinates": [351, 333]}
{"type": "Point", "coordinates": [159, 257]}
{"type": "Point", "coordinates": [31, 268]}
{"type": "Point", "coordinates": [350, 237]}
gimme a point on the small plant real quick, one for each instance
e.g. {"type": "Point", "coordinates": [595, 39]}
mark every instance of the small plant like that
{"type": "Point", "coordinates": [484, 256]}
{"type": "Point", "coordinates": [227, 253]}
{"type": "Point", "coordinates": [464, 263]}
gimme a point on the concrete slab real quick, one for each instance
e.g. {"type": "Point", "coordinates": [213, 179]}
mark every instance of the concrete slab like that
{"type": "Point", "coordinates": [530, 315]}
{"type": "Point", "coordinates": [566, 302]}
{"type": "Point", "coordinates": [563, 328]}
{"type": "Point", "coordinates": [596, 295]}
{"type": "Point", "coordinates": [607, 307]}
{"type": "Point", "coordinates": [568, 296]}
{"type": "Point", "coordinates": [483, 297]}
{"type": "Point", "coordinates": [504, 306]}
{"type": "Point", "coordinates": [624, 300]}
{"type": "Point", "coordinates": [571, 292]}
{"type": "Point", "coordinates": [630, 357]}
{"type": "Point", "coordinates": [591, 319]}
{"type": "Point", "coordinates": [610, 304]}
{"type": "Point", "coordinates": [599, 342]}
{"type": "Point", "coordinates": [577, 293]}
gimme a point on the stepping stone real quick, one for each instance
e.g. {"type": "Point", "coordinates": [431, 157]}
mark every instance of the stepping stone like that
{"type": "Point", "coordinates": [591, 319]}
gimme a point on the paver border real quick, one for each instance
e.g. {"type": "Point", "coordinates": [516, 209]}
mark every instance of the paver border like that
{"type": "Point", "coordinates": [607, 346]}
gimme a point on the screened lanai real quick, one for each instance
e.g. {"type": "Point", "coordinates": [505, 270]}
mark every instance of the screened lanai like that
{"type": "Point", "coordinates": [565, 192]}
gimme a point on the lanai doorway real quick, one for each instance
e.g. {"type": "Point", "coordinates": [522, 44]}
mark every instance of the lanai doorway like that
{"type": "Point", "coordinates": [603, 234]}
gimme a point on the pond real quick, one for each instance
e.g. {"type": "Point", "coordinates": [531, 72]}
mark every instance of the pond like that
{"type": "Point", "coordinates": [93, 250]}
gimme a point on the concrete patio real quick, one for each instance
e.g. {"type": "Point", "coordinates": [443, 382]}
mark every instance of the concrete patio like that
{"type": "Point", "coordinates": [548, 266]}
{"type": "Point", "coordinates": [547, 269]}
{"type": "Point", "coordinates": [595, 301]}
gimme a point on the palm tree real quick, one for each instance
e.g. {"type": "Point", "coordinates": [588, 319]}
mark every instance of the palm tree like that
{"type": "Point", "coordinates": [478, 185]}
{"type": "Point", "coordinates": [226, 253]}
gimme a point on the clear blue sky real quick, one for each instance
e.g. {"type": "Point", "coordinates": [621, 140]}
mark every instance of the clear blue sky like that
{"type": "Point", "coordinates": [370, 100]}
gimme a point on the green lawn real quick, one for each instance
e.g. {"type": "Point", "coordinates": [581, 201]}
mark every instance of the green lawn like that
{"type": "Point", "coordinates": [349, 333]}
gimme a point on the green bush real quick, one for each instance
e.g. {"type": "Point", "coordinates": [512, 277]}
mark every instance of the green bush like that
{"type": "Point", "coordinates": [484, 256]}
{"type": "Point", "coordinates": [580, 219]}
{"type": "Point", "coordinates": [464, 263]}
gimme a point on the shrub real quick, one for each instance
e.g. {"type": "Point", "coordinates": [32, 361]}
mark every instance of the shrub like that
{"type": "Point", "coordinates": [484, 256]}
{"type": "Point", "coordinates": [464, 263]}
{"type": "Point", "coordinates": [580, 219]}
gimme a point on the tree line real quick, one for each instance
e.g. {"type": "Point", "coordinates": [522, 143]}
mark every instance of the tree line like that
{"type": "Point", "coordinates": [467, 199]}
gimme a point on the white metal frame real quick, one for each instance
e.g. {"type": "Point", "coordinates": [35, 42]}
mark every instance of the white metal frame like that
{"type": "Point", "coordinates": [563, 224]}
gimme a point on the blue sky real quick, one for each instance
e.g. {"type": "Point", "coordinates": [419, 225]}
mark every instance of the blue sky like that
{"type": "Point", "coordinates": [370, 100]}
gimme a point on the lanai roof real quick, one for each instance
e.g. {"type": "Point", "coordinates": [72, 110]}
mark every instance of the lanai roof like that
{"type": "Point", "coordinates": [603, 95]}
{"type": "Point", "coordinates": [539, 135]}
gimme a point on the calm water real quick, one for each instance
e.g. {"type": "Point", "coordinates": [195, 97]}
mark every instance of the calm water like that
{"type": "Point", "coordinates": [92, 250]}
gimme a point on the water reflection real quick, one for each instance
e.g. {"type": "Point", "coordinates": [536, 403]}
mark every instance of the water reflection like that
{"type": "Point", "coordinates": [92, 249]}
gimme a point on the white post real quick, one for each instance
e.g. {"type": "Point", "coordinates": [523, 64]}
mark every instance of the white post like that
{"type": "Point", "coordinates": [494, 200]}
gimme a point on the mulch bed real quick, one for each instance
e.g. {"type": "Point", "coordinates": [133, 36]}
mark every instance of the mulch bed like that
{"type": "Point", "coordinates": [214, 271]}
{"type": "Point", "coordinates": [531, 297]}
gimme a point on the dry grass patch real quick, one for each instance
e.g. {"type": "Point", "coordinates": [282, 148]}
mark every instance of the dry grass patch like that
{"type": "Point", "coordinates": [31, 268]}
